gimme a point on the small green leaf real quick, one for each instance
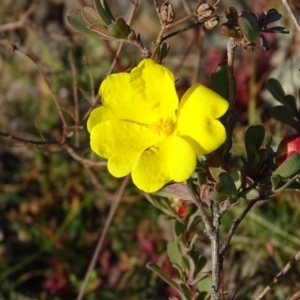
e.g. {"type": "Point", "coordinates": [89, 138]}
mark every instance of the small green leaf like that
{"type": "Point", "coordinates": [163, 51]}
{"type": "Point", "coordinates": [159, 271]}
{"type": "Point", "coordinates": [283, 114]}
{"type": "Point", "coordinates": [253, 140]}
{"type": "Point", "coordinates": [185, 291]}
{"type": "Point", "coordinates": [218, 197]}
{"type": "Point", "coordinates": [237, 176]}
{"type": "Point", "coordinates": [119, 30]}
{"type": "Point", "coordinates": [179, 227]}
{"type": "Point", "coordinates": [102, 32]}
{"type": "Point", "coordinates": [175, 190]}
{"type": "Point", "coordinates": [200, 264]}
{"type": "Point", "coordinates": [230, 30]}
{"type": "Point", "coordinates": [175, 254]}
{"type": "Point", "coordinates": [249, 25]}
{"type": "Point", "coordinates": [255, 136]}
{"type": "Point", "coordinates": [204, 287]}
{"type": "Point", "coordinates": [162, 204]}
{"type": "Point", "coordinates": [275, 88]}
{"type": "Point", "coordinates": [193, 220]}
{"type": "Point", "coordinates": [251, 195]}
{"type": "Point", "coordinates": [215, 172]}
{"type": "Point", "coordinates": [219, 81]}
{"type": "Point", "coordinates": [77, 22]}
{"type": "Point", "coordinates": [232, 15]}
{"type": "Point", "coordinates": [226, 186]}
{"type": "Point", "coordinates": [290, 103]}
{"type": "Point", "coordinates": [91, 16]}
{"type": "Point", "coordinates": [289, 167]}
{"type": "Point", "coordinates": [275, 179]}
{"type": "Point", "coordinates": [104, 11]}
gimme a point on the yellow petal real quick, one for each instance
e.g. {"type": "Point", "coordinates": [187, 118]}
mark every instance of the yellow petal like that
{"type": "Point", "coordinates": [156, 85]}
{"type": "Point", "coordinates": [144, 95]}
{"type": "Point", "coordinates": [121, 143]}
{"type": "Point", "coordinates": [196, 118]}
{"type": "Point", "coordinates": [171, 159]}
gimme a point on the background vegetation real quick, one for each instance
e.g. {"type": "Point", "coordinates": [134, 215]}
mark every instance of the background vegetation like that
{"type": "Point", "coordinates": [54, 200]}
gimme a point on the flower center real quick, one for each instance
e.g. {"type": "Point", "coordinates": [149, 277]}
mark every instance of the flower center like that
{"type": "Point", "coordinates": [162, 127]}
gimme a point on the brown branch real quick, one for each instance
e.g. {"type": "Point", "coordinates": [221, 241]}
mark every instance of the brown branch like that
{"type": "Point", "coordinates": [284, 270]}
{"type": "Point", "coordinates": [234, 227]}
{"type": "Point", "coordinates": [212, 231]}
{"type": "Point", "coordinates": [59, 110]}
{"type": "Point", "coordinates": [23, 18]}
{"type": "Point", "coordinates": [231, 119]}
{"type": "Point", "coordinates": [25, 141]}
{"type": "Point", "coordinates": [113, 209]}
{"type": "Point", "coordinates": [84, 161]}
{"type": "Point", "coordinates": [296, 296]}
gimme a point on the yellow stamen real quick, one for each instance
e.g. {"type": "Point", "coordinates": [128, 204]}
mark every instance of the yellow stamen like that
{"type": "Point", "coordinates": [162, 127]}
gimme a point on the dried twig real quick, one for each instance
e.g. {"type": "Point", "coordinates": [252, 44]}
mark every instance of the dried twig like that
{"type": "Point", "coordinates": [99, 246]}
{"type": "Point", "coordinates": [235, 225]}
{"type": "Point", "coordinates": [22, 20]}
{"type": "Point", "coordinates": [278, 276]}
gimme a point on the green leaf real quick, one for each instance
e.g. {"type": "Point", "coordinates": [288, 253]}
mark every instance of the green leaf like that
{"type": "Point", "coordinates": [162, 52]}
{"type": "Point", "coordinates": [253, 140]}
{"type": "Point", "coordinates": [77, 22]}
{"type": "Point", "coordinates": [275, 88]}
{"type": "Point", "coordinates": [175, 254]}
{"type": "Point", "coordinates": [102, 32]}
{"type": "Point", "coordinates": [158, 271]}
{"type": "Point", "coordinates": [218, 197]}
{"type": "Point", "coordinates": [226, 186]}
{"type": "Point", "coordinates": [104, 11]}
{"type": "Point", "coordinates": [162, 204]}
{"type": "Point", "coordinates": [230, 30]}
{"type": "Point", "coordinates": [175, 190]}
{"type": "Point", "coordinates": [219, 81]}
{"type": "Point", "coordinates": [119, 30]}
{"type": "Point", "coordinates": [91, 16]}
{"type": "Point", "coordinates": [290, 103]}
{"type": "Point", "coordinates": [237, 176]}
{"type": "Point", "coordinates": [200, 264]}
{"type": "Point", "coordinates": [193, 220]}
{"type": "Point", "coordinates": [215, 172]}
{"type": "Point", "coordinates": [232, 15]}
{"type": "Point", "coordinates": [289, 167]}
{"type": "Point", "coordinates": [275, 179]}
{"type": "Point", "coordinates": [185, 291]}
{"type": "Point", "coordinates": [250, 195]}
{"type": "Point", "coordinates": [179, 227]}
{"type": "Point", "coordinates": [204, 287]}
{"type": "Point", "coordinates": [249, 25]}
{"type": "Point", "coordinates": [284, 115]}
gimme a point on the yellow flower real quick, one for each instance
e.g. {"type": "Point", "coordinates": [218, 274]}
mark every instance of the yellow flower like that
{"type": "Point", "coordinates": [142, 128]}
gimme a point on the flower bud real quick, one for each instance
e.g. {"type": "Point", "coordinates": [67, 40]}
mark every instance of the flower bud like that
{"type": "Point", "coordinates": [287, 147]}
{"type": "Point", "coordinates": [167, 13]}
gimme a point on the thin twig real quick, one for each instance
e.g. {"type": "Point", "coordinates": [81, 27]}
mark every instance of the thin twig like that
{"type": "Point", "coordinates": [279, 275]}
{"type": "Point", "coordinates": [296, 296]}
{"type": "Point", "coordinates": [289, 9]}
{"type": "Point", "coordinates": [212, 231]}
{"type": "Point", "coordinates": [25, 141]}
{"type": "Point", "coordinates": [157, 10]}
{"type": "Point", "coordinates": [231, 119]}
{"type": "Point", "coordinates": [84, 161]}
{"type": "Point", "coordinates": [75, 97]}
{"type": "Point", "coordinates": [235, 225]}
{"type": "Point", "coordinates": [130, 18]}
{"type": "Point", "coordinates": [59, 110]}
{"type": "Point", "coordinates": [23, 18]}
{"type": "Point", "coordinates": [113, 209]}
